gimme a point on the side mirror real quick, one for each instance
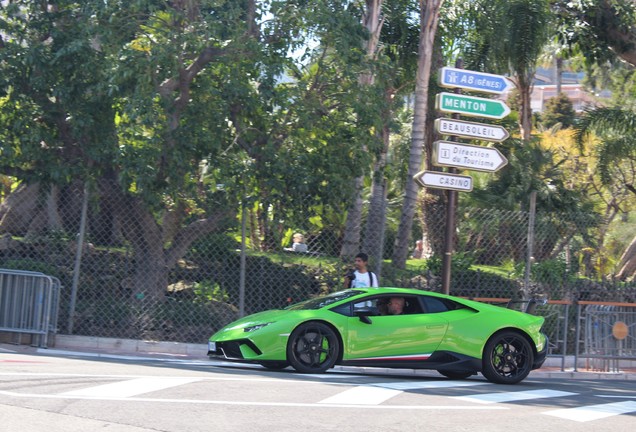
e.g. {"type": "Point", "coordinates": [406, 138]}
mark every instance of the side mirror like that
{"type": "Point", "coordinates": [364, 314]}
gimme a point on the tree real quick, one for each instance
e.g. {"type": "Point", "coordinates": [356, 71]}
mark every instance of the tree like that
{"type": "Point", "coordinates": [591, 27]}
{"type": "Point", "coordinates": [616, 154]}
{"type": "Point", "coordinates": [373, 20]}
{"type": "Point", "coordinates": [558, 109]}
{"type": "Point", "coordinates": [509, 36]}
{"type": "Point", "coordinates": [429, 19]}
{"type": "Point", "coordinates": [157, 103]}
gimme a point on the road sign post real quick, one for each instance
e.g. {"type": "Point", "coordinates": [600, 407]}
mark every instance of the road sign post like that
{"type": "Point", "coordinates": [456, 155]}
{"type": "Point", "coordinates": [476, 158]}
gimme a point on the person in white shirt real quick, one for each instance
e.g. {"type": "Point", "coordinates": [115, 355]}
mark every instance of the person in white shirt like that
{"type": "Point", "coordinates": [361, 277]}
{"type": "Point", "coordinates": [299, 244]}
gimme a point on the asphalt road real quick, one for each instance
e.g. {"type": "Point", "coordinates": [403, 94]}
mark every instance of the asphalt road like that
{"type": "Point", "coordinates": [44, 392]}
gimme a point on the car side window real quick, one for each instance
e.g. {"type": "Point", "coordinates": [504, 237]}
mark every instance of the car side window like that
{"type": "Point", "coordinates": [367, 305]}
{"type": "Point", "coordinates": [437, 305]}
{"type": "Point", "coordinates": [411, 305]}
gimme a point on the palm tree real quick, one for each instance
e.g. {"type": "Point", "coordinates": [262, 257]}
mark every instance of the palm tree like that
{"type": "Point", "coordinates": [429, 19]}
{"type": "Point", "coordinates": [508, 37]}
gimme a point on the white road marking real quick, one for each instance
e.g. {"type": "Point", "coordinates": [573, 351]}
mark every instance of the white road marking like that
{"type": "Point", "coordinates": [406, 385]}
{"type": "Point", "coordinates": [268, 404]}
{"type": "Point", "coordinates": [594, 412]}
{"type": "Point", "coordinates": [489, 398]}
{"type": "Point", "coordinates": [617, 396]}
{"type": "Point", "coordinates": [362, 395]}
{"type": "Point", "coordinates": [134, 387]}
{"type": "Point", "coordinates": [377, 393]}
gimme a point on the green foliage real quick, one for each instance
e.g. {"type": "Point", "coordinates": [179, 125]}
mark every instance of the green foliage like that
{"type": "Point", "coordinates": [615, 127]}
{"type": "Point", "coordinates": [28, 264]}
{"type": "Point", "coordinates": [550, 272]}
{"type": "Point", "coordinates": [460, 262]}
{"type": "Point", "coordinates": [210, 291]}
{"type": "Point", "coordinates": [598, 29]}
{"type": "Point", "coordinates": [558, 109]}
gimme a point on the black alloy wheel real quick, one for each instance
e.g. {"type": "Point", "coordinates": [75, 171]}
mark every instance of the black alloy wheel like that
{"type": "Point", "coordinates": [313, 347]}
{"type": "Point", "coordinates": [507, 358]}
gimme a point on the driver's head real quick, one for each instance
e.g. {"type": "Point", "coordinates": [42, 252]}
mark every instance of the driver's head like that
{"type": "Point", "coordinates": [396, 305]}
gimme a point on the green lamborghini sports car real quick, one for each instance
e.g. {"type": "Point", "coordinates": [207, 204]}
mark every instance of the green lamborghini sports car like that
{"type": "Point", "coordinates": [455, 336]}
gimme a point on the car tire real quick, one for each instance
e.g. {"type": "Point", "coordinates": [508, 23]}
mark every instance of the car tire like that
{"type": "Point", "coordinates": [507, 358]}
{"type": "Point", "coordinates": [313, 347]}
{"type": "Point", "coordinates": [456, 375]}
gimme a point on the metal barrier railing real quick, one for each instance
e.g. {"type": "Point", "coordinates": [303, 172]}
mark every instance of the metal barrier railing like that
{"type": "Point", "coordinates": [609, 334]}
{"type": "Point", "coordinates": [604, 332]}
{"type": "Point", "coordinates": [29, 303]}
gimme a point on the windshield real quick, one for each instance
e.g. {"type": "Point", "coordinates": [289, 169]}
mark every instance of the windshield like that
{"type": "Point", "coordinates": [319, 302]}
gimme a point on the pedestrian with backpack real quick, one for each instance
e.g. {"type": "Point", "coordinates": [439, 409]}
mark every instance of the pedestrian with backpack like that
{"type": "Point", "coordinates": [360, 276]}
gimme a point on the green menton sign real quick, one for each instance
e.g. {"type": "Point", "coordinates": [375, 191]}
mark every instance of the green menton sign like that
{"type": "Point", "coordinates": [471, 105]}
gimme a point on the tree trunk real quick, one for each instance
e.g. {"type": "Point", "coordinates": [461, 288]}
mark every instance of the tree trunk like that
{"type": "Point", "coordinates": [376, 220]}
{"type": "Point", "coordinates": [373, 21]}
{"type": "Point", "coordinates": [17, 209]}
{"type": "Point", "coordinates": [153, 262]}
{"type": "Point", "coordinates": [525, 115]}
{"type": "Point", "coordinates": [559, 74]}
{"type": "Point", "coordinates": [351, 238]}
{"type": "Point", "coordinates": [627, 264]}
{"type": "Point", "coordinates": [429, 17]}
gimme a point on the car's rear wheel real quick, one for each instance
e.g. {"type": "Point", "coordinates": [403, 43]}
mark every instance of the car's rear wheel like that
{"type": "Point", "coordinates": [275, 365]}
{"type": "Point", "coordinates": [507, 358]}
{"type": "Point", "coordinates": [313, 348]}
{"type": "Point", "coordinates": [456, 375]}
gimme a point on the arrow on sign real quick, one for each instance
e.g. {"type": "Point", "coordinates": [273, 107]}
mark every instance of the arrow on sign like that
{"type": "Point", "coordinates": [471, 105]}
{"type": "Point", "coordinates": [471, 130]}
{"type": "Point", "coordinates": [452, 154]}
{"type": "Point", "coordinates": [440, 180]}
{"type": "Point", "coordinates": [471, 80]}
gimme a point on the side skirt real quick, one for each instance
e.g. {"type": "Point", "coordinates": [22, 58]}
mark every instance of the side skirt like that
{"type": "Point", "coordinates": [438, 361]}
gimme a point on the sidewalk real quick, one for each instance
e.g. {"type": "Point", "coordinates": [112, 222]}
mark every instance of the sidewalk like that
{"type": "Point", "coordinates": [176, 351]}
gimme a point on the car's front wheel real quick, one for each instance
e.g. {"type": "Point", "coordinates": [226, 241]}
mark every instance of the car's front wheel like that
{"type": "Point", "coordinates": [313, 348]}
{"type": "Point", "coordinates": [507, 358]}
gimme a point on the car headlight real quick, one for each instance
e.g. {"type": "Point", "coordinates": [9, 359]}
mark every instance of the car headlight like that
{"type": "Point", "coordinates": [255, 327]}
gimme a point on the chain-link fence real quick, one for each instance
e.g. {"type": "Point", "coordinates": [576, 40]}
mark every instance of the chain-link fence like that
{"type": "Point", "coordinates": [131, 280]}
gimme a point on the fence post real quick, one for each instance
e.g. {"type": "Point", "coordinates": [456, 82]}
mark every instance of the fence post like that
{"type": "Point", "coordinates": [529, 257]}
{"type": "Point", "coordinates": [578, 335]}
{"type": "Point", "coordinates": [565, 335]}
{"type": "Point", "coordinates": [78, 260]}
{"type": "Point", "coordinates": [243, 262]}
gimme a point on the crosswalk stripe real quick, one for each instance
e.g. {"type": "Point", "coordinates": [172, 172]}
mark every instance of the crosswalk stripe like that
{"type": "Point", "coordinates": [429, 384]}
{"type": "Point", "coordinates": [488, 398]}
{"type": "Point", "coordinates": [129, 388]}
{"type": "Point", "coordinates": [362, 395]}
{"type": "Point", "coordinates": [375, 394]}
{"type": "Point", "coordinates": [594, 412]}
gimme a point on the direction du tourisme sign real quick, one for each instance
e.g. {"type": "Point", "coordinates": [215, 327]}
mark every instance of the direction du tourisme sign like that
{"type": "Point", "coordinates": [477, 158]}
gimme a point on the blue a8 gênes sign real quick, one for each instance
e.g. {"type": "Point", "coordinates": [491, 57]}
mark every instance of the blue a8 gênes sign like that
{"type": "Point", "coordinates": [471, 80]}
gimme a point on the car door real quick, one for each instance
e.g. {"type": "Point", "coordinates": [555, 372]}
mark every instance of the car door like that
{"type": "Point", "coordinates": [415, 335]}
